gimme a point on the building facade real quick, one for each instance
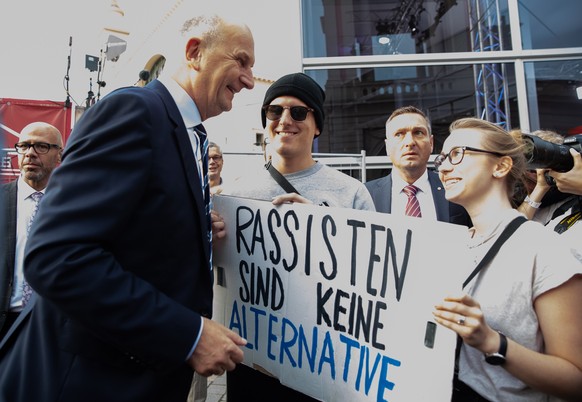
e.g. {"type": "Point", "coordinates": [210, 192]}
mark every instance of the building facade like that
{"type": "Point", "coordinates": [514, 62]}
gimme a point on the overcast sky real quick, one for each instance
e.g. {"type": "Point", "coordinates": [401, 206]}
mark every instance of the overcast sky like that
{"type": "Point", "coordinates": [35, 45]}
{"type": "Point", "coordinates": [36, 34]}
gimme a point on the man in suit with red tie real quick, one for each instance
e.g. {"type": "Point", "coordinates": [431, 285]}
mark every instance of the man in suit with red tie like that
{"type": "Point", "coordinates": [119, 256]}
{"type": "Point", "coordinates": [39, 149]}
{"type": "Point", "coordinates": [411, 188]}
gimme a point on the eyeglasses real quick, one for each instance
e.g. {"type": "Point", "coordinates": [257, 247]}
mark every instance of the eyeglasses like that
{"type": "Point", "coordinates": [457, 154]}
{"type": "Point", "coordinates": [298, 113]}
{"type": "Point", "coordinates": [215, 158]}
{"type": "Point", "coordinates": [39, 147]}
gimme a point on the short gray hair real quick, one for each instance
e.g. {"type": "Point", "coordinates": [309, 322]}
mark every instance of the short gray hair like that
{"type": "Point", "coordinates": [206, 27]}
{"type": "Point", "coordinates": [214, 145]}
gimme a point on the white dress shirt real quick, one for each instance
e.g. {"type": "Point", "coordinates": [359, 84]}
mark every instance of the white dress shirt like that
{"type": "Point", "coordinates": [24, 209]}
{"type": "Point", "coordinates": [424, 196]}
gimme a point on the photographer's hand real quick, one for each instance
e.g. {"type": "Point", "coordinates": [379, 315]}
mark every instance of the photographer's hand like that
{"type": "Point", "coordinates": [537, 194]}
{"type": "Point", "coordinates": [570, 182]}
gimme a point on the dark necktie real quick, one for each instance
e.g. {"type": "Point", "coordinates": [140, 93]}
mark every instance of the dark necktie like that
{"type": "Point", "coordinates": [203, 144]}
{"type": "Point", "coordinates": [26, 289]}
{"type": "Point", "coordinates": [412, 205]}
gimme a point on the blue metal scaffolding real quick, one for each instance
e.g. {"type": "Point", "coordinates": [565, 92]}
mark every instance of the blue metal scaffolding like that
{"type": "Point", "coordinates": [492, 98]}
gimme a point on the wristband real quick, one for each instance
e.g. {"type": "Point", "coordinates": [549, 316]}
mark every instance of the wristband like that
{"type": "Point", "coordinates": [531, 202]}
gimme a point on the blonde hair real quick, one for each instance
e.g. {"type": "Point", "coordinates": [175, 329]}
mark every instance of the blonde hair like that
{"type": "Point", "coordinates": [496, 139]}
{"type": "Point", "coordinates": [550, 136]}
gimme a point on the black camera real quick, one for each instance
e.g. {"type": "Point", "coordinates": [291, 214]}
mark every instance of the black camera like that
{"type": "Point", "coordinates": [543, 154]}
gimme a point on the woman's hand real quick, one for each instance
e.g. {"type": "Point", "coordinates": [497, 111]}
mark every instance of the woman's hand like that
{"type": "Point", "coordinates": [463, 315]}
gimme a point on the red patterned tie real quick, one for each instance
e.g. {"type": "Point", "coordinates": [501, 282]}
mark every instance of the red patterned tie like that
{"type": "Point", "coordinates": [412, 205]}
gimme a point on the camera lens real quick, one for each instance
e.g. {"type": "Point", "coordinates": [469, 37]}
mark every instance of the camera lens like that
{"type": "Point", "coordinates": [547, 155]}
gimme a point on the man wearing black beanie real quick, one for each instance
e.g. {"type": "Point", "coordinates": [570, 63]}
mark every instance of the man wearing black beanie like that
{"type": "Point", "coordinates": [302, 87]}
{"type": "Point", "coordinates": [293, 114]}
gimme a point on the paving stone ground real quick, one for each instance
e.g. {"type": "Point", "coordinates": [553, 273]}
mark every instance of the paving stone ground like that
{"type": "Point", "coordinates": [216, 389]}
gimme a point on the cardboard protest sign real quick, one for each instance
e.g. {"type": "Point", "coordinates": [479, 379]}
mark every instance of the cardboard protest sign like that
{"type": "Point", "coordinates": [337, 303]}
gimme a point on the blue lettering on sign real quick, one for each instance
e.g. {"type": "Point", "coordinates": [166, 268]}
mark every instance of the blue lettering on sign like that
{"type": "Point", "coordinates": [294, 346]}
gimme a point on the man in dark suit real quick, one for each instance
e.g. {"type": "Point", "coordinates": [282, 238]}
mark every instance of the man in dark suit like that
{"type": "Point", "coordinates": [39, 153]}
{"type": "Point", "coordinates": [409, 144]}
{"type": "Point", "coordinates": [119, 254]}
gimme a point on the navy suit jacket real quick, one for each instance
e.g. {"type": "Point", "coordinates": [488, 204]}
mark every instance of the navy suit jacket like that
{"type": "Point", "coordinates": [8, 251]}
{"type": "Point", "coordinates": [381, 191]}
{"type": "Point", "coordinates": [118, 257]}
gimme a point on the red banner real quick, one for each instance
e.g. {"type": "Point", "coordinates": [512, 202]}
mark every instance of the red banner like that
{"type": "Point", "coordinates": [15, 114]}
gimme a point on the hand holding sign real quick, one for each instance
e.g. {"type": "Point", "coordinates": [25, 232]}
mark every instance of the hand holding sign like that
{"type": "Point", "coordinates": [217, 350]}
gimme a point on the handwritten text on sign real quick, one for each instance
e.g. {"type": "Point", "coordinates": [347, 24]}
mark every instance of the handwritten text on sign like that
{"type": "Point", "coordinates": [336, 302]}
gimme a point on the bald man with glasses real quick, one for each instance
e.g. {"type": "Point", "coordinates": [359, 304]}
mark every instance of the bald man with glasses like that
{"type": "Point", "coordinates": [39, 149]}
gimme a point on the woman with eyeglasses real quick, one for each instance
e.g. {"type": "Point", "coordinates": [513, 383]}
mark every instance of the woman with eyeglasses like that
{"type": "Point", "coordinates": [520, 319]}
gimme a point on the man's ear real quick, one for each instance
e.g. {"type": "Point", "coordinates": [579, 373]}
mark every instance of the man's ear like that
{"type": "Point", "coordinates": [387, 146]}
{"type": "Point", "coordinates": [193, 53]}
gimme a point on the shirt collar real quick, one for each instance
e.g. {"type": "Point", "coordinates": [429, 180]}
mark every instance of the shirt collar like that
{"type": "Point", "coordinates": [422, 183]}
{"type": "Point", "coordinates": [24, 190]}
{"type": "Point", "coordinates": [186, 106]}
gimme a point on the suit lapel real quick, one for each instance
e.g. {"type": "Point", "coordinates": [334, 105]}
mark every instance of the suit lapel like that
{"type": "Point", "coordinates": [387, 190]}
{"type": "Point", "coordinates": [438, 194]}
{"type": "Point", "coordinates": [12, 201]}
{"type": "Point", "coordinates": [10, 225]}
{"type": "Point", "coordinates": [22, 317]}
{"type": "Point", "coordinates": [187, 158]}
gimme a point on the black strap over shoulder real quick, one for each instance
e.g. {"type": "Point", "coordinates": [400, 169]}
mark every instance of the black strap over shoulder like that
{"type": "Point", "coordinates": [568, 221]}
{"type": "Point", "coordinates": [507, 232]}
{"type": "Point", "coordinates": [575, 203]}
{"type": "Point", "coordinates": [279, 178]}
{"type": "Point", "coordinates": [283, 182]}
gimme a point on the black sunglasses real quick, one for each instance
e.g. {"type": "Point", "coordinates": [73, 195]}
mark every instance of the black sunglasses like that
{"type": "Point", "coordinates": [298, 113]}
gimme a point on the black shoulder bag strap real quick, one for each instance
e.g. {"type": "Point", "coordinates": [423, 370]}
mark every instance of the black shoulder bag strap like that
{"type": "Point", "coordinates": [283, 182]}
{"type": "Point", "coordinates": [507, 232]}
{"type": "Point", "coordinates": [568, 221]}
{"type": "Point", "coordinates": [279, 178]}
